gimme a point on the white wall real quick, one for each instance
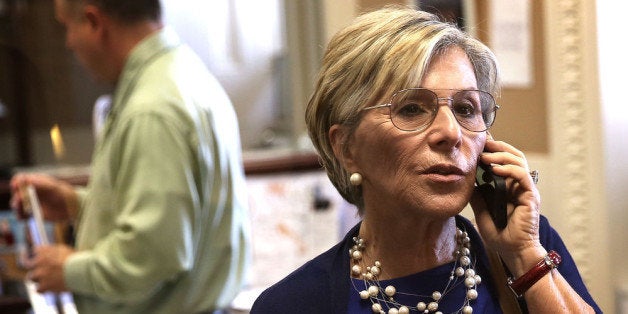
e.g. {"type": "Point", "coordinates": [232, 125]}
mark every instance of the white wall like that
{"type": "Point", "coordinates": [243, 44]}
{"type": "Point", "coordinates": [613, 66]}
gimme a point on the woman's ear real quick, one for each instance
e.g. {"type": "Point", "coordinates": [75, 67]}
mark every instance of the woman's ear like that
{"type": "Point", "coordinates": [339, 139]}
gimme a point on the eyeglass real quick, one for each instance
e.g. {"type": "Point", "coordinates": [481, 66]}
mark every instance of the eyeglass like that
{"type": "Point", "coordinates": [414, 109]}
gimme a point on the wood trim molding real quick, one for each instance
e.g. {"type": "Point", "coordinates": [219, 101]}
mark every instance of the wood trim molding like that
{"type": "Point", "coordinates": [289, 163]}
{"type": "Point", "coordinates": [297, 162]}
{"type": "Point", "coordinates": [571, 149]}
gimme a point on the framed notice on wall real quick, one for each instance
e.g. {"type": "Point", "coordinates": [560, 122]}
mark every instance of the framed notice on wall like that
{"type": "Point", "coordinates": [510, 39]}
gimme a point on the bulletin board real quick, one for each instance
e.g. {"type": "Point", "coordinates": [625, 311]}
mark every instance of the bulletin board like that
{"type": "Point", "coordinates": [522, 119]}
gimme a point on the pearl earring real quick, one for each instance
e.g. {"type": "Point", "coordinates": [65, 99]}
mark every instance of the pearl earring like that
{"type": "Point", "coordinates": [355, 179]}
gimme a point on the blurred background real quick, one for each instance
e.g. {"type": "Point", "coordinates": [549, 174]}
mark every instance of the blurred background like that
{"type": "Point", "coordinates": [562, 104]}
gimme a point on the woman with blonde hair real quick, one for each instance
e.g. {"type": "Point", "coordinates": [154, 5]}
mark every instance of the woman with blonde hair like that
{"type": "Point", "coordinates": [400, 117]}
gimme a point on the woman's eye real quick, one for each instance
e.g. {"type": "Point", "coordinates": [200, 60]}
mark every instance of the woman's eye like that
{"type": "Point", "coordinates": [411, 109]}
{"type": "Point", "coordinates": [464, 108]}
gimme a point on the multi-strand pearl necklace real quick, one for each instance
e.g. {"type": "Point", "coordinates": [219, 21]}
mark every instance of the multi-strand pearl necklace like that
{"type": "Point", "coordinates": [381, 297]}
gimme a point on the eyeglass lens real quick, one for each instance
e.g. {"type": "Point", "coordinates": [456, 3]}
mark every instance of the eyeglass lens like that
{"type": "Point", "coordinates": [415, 109]}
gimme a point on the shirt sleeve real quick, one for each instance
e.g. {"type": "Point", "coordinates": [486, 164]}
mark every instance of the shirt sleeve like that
{"type": "Point", "coordinates": [81, 193]}
{"type": "Point", "coordinates": [155, 203]}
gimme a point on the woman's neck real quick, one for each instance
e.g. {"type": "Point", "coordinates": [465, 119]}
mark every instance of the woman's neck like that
{"type": "Point", "coordinates": [408, 246]}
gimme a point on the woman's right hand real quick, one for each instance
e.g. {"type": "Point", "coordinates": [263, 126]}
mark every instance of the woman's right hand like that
{"type": "Point", "coordinates": [56, 197]}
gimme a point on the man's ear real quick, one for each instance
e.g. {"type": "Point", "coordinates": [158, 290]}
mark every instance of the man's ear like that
{"type": "Point", "coordinates": [94, 16]}
{"type": "Point", "coordinates": [339, 139]}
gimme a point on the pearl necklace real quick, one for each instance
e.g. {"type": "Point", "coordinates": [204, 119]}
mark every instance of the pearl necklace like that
{"type": "Point", "coordinates": [385, 297]}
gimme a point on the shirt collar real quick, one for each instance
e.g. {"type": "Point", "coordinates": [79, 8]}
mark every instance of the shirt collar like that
{"type": "Point", "coordinates": [140, 56]}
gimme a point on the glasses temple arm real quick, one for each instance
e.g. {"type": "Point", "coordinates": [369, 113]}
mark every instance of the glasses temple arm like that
{"type": "Point", "coordinates": [376, 106]}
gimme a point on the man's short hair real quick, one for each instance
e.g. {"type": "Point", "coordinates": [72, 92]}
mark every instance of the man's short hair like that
{"type": "Point", "coordinates": [127, 11]}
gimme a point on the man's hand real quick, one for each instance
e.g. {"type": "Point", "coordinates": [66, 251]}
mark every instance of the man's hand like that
{"type": "Point", "coordinates": [46, 268]}
{"type": "Point", "coordinates": [57, 198]}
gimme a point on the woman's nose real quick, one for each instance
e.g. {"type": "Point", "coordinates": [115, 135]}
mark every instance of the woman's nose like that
{"type": "Point", "coordinates": [445, 128]}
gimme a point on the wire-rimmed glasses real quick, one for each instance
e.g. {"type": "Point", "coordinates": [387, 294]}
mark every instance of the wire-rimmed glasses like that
{"type": "Point", "coordinates": [414, 109]}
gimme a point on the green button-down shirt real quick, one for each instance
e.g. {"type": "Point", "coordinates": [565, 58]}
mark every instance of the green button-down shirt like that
{"type": "Point", "coordinates": [162, 227]}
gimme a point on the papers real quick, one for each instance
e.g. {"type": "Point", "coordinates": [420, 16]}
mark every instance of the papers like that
{"type": "Point", "coordinates": [294, 218]}
{"type": "Point", "coordinates": [42, 303]}
{"type": "Point", "coordinates": [511, 41]}
{"type": "Point", "coordinates": [36, 225]}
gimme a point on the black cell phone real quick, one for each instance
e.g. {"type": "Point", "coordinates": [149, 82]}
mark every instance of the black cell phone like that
{"type": "Point", "coordinates": [493, 189]}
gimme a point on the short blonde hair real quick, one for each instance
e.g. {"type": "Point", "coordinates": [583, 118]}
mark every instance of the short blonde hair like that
{"type": "Point", "coordinates": [380, 53]}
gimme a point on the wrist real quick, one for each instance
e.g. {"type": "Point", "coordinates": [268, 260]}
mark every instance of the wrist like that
{"type": "Point", "coordinates": [520, 285]}
{"type": "Point", "coordinates": [519, 262]}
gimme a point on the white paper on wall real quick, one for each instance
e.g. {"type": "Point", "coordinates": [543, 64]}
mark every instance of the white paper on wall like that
{"type": "Point", "coordinates": [511, 40]}
{"type": "Point", "coordinates": [287, 228]}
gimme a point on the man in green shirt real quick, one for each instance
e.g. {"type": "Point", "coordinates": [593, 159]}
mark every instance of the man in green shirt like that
{"type": "Point", "coordinates": [162, 224]}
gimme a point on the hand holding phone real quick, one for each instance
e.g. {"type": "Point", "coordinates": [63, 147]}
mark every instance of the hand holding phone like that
{"type": "Point", "coordinates": [493, 189]}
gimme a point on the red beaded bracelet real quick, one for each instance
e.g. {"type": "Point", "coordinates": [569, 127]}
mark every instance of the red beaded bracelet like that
{"type": "Point", "coordinates": [523, 283]}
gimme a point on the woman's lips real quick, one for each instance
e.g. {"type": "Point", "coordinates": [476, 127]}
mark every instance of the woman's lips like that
{"type": "Point", "coordinates": [443, 173]}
